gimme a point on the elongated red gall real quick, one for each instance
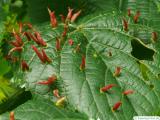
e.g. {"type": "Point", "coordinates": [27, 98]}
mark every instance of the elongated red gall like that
{"type": "Point", "coordinates": [62, 18]}
{"type": "Point", "coordinates": [27, 35]}
{"type": "Point", "coordinates": [117, 71]}
{"type": "Point", "coordinates": [127, 92]}
{"type": "Point", "coordinates": [83, 63]}
{"type": "Point", "coordinates": [39, 39]}
{"type": "Point", "coordinates": [53, 19]}
{"type": "Point", "coordinates": [11, 116]}
{"type": "Point", "coordinates": [136, 17]}
{"type": "Point", "coordinates": [154, 36]}
{"type": "Point", "coordinates": [106, 88]}
{"type": "Point", "coordinates": [49, 81]}
{"type": "Point", "coordinates": [129, 12]}
{"type": "Point", "coordinates": [69, 15]}
{"type": "Point", "coordinates": [38, 54]}
{"type": "Point", "coordinates": [116, 106]}
{"type": "Point", "coordinates": [18, 38]}
{"type": "Point", "coordinates": [125, 24]}
{"type": "Point", "coordinates": [24, 66]}
{"type": "Point", "coordinates": [18, 49]}
{"type": "Point", "coordinates": [75, 16]}
{"type": "Point", "coordinates": [20, 27]}
{"type": "Point", "coordinates": [45, 57]}
{"type": "Point", "coordinates": [58, 44]}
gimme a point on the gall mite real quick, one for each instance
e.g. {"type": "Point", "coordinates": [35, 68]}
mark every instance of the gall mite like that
{"type": "Point", "coordinates": [56, 93]}
{"type": "Point", "coordinates": [116, 106]}
{"type": "Point", "coordinates": [24, 66]}
{"type": "Point", "coordinates": [129, 12]}
{"type": "Point", "coordinates": [154, 36]}
{"type": "Point", "coordinates": [106, 88]}
{"type": "Point", "coordinates": [127, 92]}
{"type": "Point", "coordinates": [125, 25]}
{"type": "Point", "coordinates": [62, 18]}
{"type": "Point", "coordinates": [58, 44]}
{"type": "Point", "coordinates": [53, 19]}
{"type": "Point", "coordinates": [117, 71]}
{"type": "Point", "coordinates": [70, 42]}
{"type": "Point", "coordinates": [49, 81]}
{"type": "Point", "coordinates": [69, 15]}
{"type": "Point", "coordinates": [136, 17]}
{"type": "Point", "coordinates": [38, 54]}
{"type": "Point", "coordinates": [75, 16]}
{"type": "Point", "coordinates": [11, 116]}
{"type": "Point", "coordinates": [45, 57]}
{"type": "Point", "coordinates": [61, 102]}
{"type": "Point", "coordinates": [83, 62]}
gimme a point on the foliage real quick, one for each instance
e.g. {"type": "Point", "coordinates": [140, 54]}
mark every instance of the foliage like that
{"type": "Point", "coordinates": [109, 48]}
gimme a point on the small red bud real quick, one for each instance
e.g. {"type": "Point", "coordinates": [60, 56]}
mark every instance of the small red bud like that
{"type": "Point", "coordinates": [75, 16]}
{"type": "Point", "coordinates": [24, 66]}
{"type": "Point", "coordinates": [106, 88]}
{"type": "Point", "coordinates": [52, 18]}
{"type": "Point", "coordinates": [11, 116]}
{"type": "Point", "coordinates": [128, 92]}
{"type": "Point", "coordinates": [117, 71]}
{"type": "Point", "coordinates": [70, 41]}
{"type": "Point", "coordinates": [116, 106]}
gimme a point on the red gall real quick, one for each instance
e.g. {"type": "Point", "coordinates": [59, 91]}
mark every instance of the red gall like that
{"type": "Point", "coordinates": [49, 81]}
{"type": "Point", "coordinates": [52, 18]}
{"type": "Point", "coordinates": [154, 36]}
{"type": "Point", "coordinates": [125, 24]}
{"type": "Point", "coordinates": [45, 57]}
{"type": "Point", "coordinates": [24, 66]}
{"type": "Point", "coordinates": [62, 18]}
{"type": "Point", "coordinates": [116, 106]}
{"type": "Point", "coordinates": [70, 42]}
{"type": "Point", "coordinates": [11, 116]}
{"type": "Point", "coordinates": [127, 92]}
{"type": "Point", "coordinates": [18, 38]}
{"type": "Point", "coordinates": [83, 62]}
{"type": "Point", "coordinates": [20, 27]}
{"type": "Point", "coordinates": [117, 71]}
{"type": "Point", "coordinates": [136, 17]}
{"type": "Point", "coordinates": [56, 93]}
{"type": "Point", "coordinates": [106, 88]}
{"type": "Point", "coordinates": [70, 12]}
{"type": "Point", "coordinates": [58, 44]}
{"type": "Point", "coordinates": [75, 16]}
{"type": "Point", "coordinates": [18, 49]}
{"type": "Point", "coordinates": [39, 39]}
{"type": "Point", "coordinates": [129, 12]}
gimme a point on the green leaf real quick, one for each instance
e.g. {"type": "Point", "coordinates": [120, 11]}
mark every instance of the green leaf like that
{"type": "Point", "coordinates": [42, 109]}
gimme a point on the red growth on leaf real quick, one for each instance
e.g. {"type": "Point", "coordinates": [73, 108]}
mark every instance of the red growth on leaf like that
{"type": "Point", "coordinates": [75, 16]}
{"type": "Point", "coordinates": [33, 38]}
{"type": "Point", "coordinates": [125, 24]}
{"type": "Point", "coordinates": [117, 71]}
{"type": "Point", "coordinates": [18, 38]}
{"type": "Point", "coordinates": [53, 19]}
{"type": "Point", "coordinates": [83, 63]}
{"type": "Point", "coordinates": [106, 88]}
{"type": "Point", "coordinates": [20, 27]}
{"type": "Point", "coordinates": [38, 54]}
{"type": "Point", "coordinates": [116, 106]}
{"type": "Point", "coordinates": [58, 44]}
{"type": "Point", "coordinates": [18, 49]}
{"type": "Point", "coordinates": [65, 30]}
{"type": "Point", "coordinates": [70, 42]}
{"type": "Point", "coordinates": [129, 12]}
{"type": "Point", "coordinates": [136, 17]}
{"type": "Point", "coordinates": [45, 57]}
{"type": "Point", "coordinates": [62, 18]}
{"type": "Point", "coordinates": [11, 116]}
{"type": "Point", "coordinates": [24, 66]}
{"type": "Point", "coordinates": [29, 25]}
{"type": "Point", "coordinates": [56, 93]}
{"type": "Point", "coordinates": [39, 39]}
{"type": "Point", "coordinates": [27, 34]}
{"type": "Point", "coordinates": [154, 36]}
{"type": "Point", "coordinates": [14, 43]}
{"type": "Point", "coordinates": [69, 15]}
{"type": "Point", "coordinates": [49, 81]}
{"type": "Point", "coordinates": [127, 92]}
